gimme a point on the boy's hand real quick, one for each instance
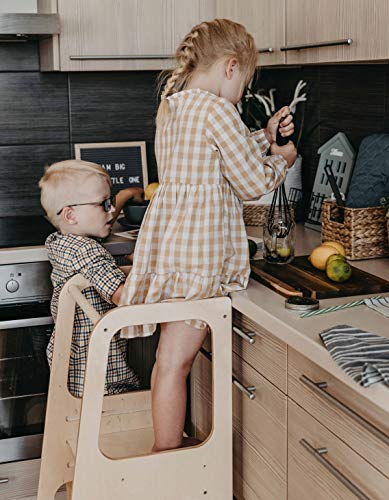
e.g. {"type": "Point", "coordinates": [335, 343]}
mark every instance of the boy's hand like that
{"type": "Point", "coordinates": [131, 193]}
{"type": "Point", "coordinates": [282, 120]}
{"type": "Point", "coordinates": [288, 151]}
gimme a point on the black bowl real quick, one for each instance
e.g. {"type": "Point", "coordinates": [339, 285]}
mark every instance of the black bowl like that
{"type": "Point", "coordinates": [134, 212]}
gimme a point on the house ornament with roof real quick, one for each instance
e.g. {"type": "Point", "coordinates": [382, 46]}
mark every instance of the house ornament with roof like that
{"type": "Point", "coordinates": [339, 154]}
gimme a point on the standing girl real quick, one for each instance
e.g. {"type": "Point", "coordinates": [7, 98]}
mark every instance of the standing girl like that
{"type": "Point", "coordinates": [193, 243]}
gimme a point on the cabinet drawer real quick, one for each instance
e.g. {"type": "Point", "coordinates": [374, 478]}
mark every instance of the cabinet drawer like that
{"type": "Point", "coordinates": [20, 479]}
{"type": "Point", "coordinates": [259, 436]}
{"type": "Point", "coordinates": [321, 466]}
{"type": "Point", "coordinates": [359, 423]}
{"type": "Point", "coordinates": [266, 353]}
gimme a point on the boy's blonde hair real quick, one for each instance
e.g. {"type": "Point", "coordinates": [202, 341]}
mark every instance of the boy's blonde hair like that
{"type": "Point", "coordinates": [63, 181]}
{"type": "Point", "coordinates": [205, 44]}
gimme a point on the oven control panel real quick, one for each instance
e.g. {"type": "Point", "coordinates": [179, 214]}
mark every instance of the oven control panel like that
{"type": "Point", "coordinates": [25, 282]}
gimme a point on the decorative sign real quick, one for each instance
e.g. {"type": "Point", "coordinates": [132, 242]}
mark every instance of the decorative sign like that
{"type": "Point", "coordinates": [124, 161]}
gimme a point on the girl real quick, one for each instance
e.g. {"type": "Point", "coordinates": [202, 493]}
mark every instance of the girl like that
{"type": "Point", "coordinates": [193, 242]}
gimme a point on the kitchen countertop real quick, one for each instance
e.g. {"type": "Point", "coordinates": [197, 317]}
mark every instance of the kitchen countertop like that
{"type": "Point", "coordinates": [266, 308]}
{"type": "Point", "coordinates": [116, 245]}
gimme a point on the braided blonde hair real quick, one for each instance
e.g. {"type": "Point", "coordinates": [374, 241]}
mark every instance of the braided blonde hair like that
{"type": "Point", "coordinates": [205, 44]}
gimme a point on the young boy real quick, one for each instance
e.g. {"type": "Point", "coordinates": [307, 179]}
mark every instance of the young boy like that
{"type": "Point", "coordinates": [76, 196]}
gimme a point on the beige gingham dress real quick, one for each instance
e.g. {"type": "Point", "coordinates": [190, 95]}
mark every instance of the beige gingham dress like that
{"type": "Point", "coordinates": [192, 243]}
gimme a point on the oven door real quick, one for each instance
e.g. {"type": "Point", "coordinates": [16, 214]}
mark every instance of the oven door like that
{"type": "Point", "coordinates": [25, 331]}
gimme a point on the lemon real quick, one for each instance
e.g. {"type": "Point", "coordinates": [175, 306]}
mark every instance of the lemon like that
{"type": "Point", "coordinates": [335, 256]}
{"type": "Point", "coordinates": [319, 256]}
{"type": "Point", "coordinates": [338, 246]}
{"type": "Point", "coordinates": [283, 251]}
{"type": "Point", "coordinates": [150, 190]}
{"type": "Point", "coordinates": [252, 248]}
{"type": "Point", "coordinates": [338, 270]}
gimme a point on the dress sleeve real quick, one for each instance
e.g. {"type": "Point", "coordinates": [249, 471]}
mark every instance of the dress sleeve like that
{"type": "Point", "coordinates": [244, 163]}
{"type": "Point", "coordinates": [99, 267]}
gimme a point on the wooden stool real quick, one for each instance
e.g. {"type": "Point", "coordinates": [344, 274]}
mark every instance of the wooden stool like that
{"type": "Point", "coordinates": [101, 445]}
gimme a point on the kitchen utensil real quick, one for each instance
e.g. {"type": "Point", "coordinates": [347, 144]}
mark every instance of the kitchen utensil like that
{"type": "Point", "coordinates": [279, 230]}
{"type": "Point", "coordinates": [301, 278]}
{"type": "Point", "coordinates": [334, 186]}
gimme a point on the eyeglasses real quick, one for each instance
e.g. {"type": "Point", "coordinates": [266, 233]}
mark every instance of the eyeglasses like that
{"type": "Point", "coordinates": [107, 204]}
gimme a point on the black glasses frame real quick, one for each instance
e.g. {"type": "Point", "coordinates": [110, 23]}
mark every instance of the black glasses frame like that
{"type": "Point", "coordinates": [107, 204]}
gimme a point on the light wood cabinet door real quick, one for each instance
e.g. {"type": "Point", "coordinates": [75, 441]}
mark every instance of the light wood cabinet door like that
{"type": "Point", "coordinates": [259, 436]}
{"type": "Point", "coordinates": [322, 467]}
{"type": "Point", "coordinates": [323, 21]}
{"type": "Point", "coordinates": [201, 396]}
{"type": "Point", "coordinates": [357, 422]}
{"type": "Point", "coordinates": [264, 19]}
{"type": "Point", "coordinates": [119, 34]}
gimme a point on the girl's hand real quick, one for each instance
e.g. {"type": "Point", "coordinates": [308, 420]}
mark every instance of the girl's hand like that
{"type": "Point", "coordinates": [288, 151]}
{"type": "Point", "coordinates": [282, 120]}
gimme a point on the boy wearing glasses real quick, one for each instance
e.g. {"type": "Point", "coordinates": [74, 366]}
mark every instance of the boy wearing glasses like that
{"type": "Point", "coordinates": [76, 196]}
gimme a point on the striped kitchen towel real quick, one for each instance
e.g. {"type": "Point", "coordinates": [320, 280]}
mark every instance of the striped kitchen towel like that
{"type": "Point", "coordinates": [380, 305]}
{"type": "Point", "coordinates": [362, 355]}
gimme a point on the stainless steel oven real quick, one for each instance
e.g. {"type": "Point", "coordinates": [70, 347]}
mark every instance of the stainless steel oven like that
{"type": "Point", "coordinates": [25, 328]}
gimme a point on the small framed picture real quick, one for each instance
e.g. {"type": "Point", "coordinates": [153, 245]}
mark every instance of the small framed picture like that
{"type": "Point", "coordinates": [125, 162]}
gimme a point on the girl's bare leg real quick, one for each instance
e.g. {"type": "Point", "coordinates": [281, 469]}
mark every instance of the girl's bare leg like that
{"type": "Point", "coordinates": [178, 346]}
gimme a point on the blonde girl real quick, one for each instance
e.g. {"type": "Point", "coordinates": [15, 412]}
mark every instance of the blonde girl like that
{"type": "Point", "coordinates": [193, 242]}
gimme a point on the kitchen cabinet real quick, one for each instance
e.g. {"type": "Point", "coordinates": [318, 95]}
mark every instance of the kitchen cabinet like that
{"type": "Point", "coordinates": [264, 19]}
{"type": "Point", "coordinates": [259, 409]}
{"type": "Point", "coordinates": [327, 21]}
{"type": "Point", "coordinates": [118, 35]}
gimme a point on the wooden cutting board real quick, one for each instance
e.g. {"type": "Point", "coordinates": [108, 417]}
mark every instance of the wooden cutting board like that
{"type": "Point", "coordinates": [302, 279]}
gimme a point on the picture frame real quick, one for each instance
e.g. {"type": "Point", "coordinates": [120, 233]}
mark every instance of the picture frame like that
{"type": "Point", "coordinates": [126, 162]}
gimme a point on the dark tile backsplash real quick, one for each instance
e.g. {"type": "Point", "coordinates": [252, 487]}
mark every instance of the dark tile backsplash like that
{"type": "Point", "coordinates": [42, 115]}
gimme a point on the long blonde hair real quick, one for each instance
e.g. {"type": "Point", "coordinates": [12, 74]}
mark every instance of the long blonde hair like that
{"type": "Point", "coordinates": [205, 44]}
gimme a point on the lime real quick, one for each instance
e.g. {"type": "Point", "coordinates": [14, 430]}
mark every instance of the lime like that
{"type": "Point", "coordinates": [335, 256]}
{"type": "Point", "coordinates": [252, 248]}
{"type": "Point", "coordinates": [283, 251]}
{"type": "Point", "coordinates": [338, 270]}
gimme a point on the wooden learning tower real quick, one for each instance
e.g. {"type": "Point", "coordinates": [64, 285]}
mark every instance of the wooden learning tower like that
{"type": "Point", "coordinates": [100, 446]}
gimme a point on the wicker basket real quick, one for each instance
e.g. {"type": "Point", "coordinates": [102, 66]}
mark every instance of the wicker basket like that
{"type": "Point", "coordinates": [363, 232]}
{"type": "Point", "coordinates": [255, 215]}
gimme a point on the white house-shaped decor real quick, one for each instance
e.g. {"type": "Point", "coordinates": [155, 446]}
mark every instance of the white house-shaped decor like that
{"type": "Point", "coordinates": [340, 155]}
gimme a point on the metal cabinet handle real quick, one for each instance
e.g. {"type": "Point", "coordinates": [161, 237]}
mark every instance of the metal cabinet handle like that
{"type": "Point", "coordinates": [318, 454]}
{"type": "Point", "coordinates": [4, 480]}
{"type": "Point", "coordinates": [249, 336]}
{"type": "Point", "coordinates": [249, 391]}
{"type": "Point", "coordinates": [266, 50]}
{"type": "Point", "coordinates": [111, 57]}
{"type": "Point", "coordinates": [345, 41]}
{"type": "Point", "coordinates": [318, 388]}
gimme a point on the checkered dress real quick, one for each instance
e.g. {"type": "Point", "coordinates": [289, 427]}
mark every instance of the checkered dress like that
{"type": "Point", "coordinates": [193, 242]}
{"type": "Point", "coordinates": [72, 254]}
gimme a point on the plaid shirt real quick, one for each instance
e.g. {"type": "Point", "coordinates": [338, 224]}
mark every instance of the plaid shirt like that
{"type": "Point", "coordinates": [71, 254]}
{"type": "Point", "coordinates": [193, 242]}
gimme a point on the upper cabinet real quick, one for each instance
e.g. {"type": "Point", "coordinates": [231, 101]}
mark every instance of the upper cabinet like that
{"type": "Point", "coordinates": [264, 19]}
{"type": "Point", "coordinates": [325, 31]}
{"type": "Point", "coordinates": [119, 34]}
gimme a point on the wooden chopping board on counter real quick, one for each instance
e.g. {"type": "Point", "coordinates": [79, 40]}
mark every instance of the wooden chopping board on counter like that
{"type": "Point", "coordinates": [302, 279]}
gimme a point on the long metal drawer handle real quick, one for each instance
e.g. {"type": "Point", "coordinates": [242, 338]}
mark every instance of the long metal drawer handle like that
{"type": "Point", "coordinates": [111, 57]}
{"type": "Point", "coordinates": [332, 43]}
{"type": "Point", "coordinates": [4, 480]}
{"type": "Point", "coordinates": [249, 391]}
{"type": "Point", "coordinates": [318, 454]}
{"type": "Point", "coordinates": [26, 322]}
{"type": "Point", "coordinates": [318, 388]}
{"type": "Point", "coordinates": [267, 50]}
{"type": "Point", "coordinates": [249, 336]}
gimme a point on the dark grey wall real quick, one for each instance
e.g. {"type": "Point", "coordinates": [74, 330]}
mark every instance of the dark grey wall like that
{"type": "Point", "coordinates": [42, 116]}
